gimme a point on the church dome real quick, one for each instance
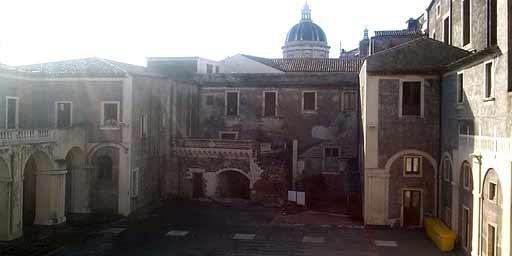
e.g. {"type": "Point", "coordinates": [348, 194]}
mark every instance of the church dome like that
{"type": "Point", "coordinates": [306, 30]}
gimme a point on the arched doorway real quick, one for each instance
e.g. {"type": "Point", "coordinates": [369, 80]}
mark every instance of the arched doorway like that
{"type": "Point", "coordinates": [77, 183]}
{"type": "Point", "coordinates": [466, 207]}
{"type": "Point", "coordinates": [104, 185]}
{"type": "Point", "coordinates": [36, 162]}
{"type": "Point", "coordinates": [4, 200]}
{"type": "Point", "coordinates": [491, 214]}
{"type": "Point", "coordinates": [233, 184]}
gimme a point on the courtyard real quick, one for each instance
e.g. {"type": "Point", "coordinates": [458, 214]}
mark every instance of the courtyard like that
{"type": "Point", "coordinates": [190, 228]}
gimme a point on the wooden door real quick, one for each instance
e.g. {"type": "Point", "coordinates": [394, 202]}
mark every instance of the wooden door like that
{"type": "Point", "coordinates": [412, 208]}
{"type": "Point", "coordinates": [197, 180]}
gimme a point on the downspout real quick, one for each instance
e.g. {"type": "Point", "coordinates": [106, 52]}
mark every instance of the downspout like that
{"type": "Point", "coordinates": [440, 148]}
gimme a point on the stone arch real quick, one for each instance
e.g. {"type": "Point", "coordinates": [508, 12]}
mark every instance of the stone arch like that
{"type": "Point", "coordinates": [465, 213]}
{"type": "Point", "coordinates": [410, 152]}
{"type": "Point", "coordinates": [99, 146]}
{"type": "Point", "coordinates": [77, 181]}
{"type": "Point", "coordinates": [492, 212]}
{"type": "Point", "coordinates": [104, 176]}
{"type": "Point", "coordinates": [233, 183]}
{"type": "Point", "coordinates": [4, 199]}
{"type": "Point", "coordinates": [402, 185]}
{"type": "Point", "coordinates": [32, 201]}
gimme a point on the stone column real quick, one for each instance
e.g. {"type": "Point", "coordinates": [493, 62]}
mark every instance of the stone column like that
{"type": "Point", "coordinates": [50, 197]}
{"type": "Point", "coordinates": [10, 218]}
{"type": "Point", "coordinates": [80, 189]}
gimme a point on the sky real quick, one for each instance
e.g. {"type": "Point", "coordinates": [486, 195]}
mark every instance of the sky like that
{"type": "Point", "coordinates": [35, 31]}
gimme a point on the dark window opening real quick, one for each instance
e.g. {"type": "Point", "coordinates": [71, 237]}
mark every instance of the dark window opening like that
{"type": "Point", "coordinates": [232, 104]}
{"type": "Point", "coordinates": [209, 68]}
{"type": "Point", "coordinates": [209, 100]}
{"type": "Point", "coordinates": [460, 88]}
{"type": "Point", "coordinates": [488, 80]}
{"type": "Point", "coordinates": [270, 104]}
{"type": "Point", "coordinates": [492, 191]}
{"type": "Point", "coordinates": [349, 101]}
{"type": "Point", "coordinates": [309, 101]}
{"type": "Point", "coordinates": [492, 35]}
{"type": "Point", "coordinates": [412, 165]}
{"type": "Point", "coordinates": [104, 169]}
{"type": "Point", "coordinates": [466, 22]}
{"type": "Point", "coordinates": [217, 69]}
{"type": "Point", "coordinates": [228, 135]}
{"type": "Point", "coordinates": [446, 30]}
{"type": "Point", "coordinates": [63, 114]}
{"type": "Point", "coordinates": [110, 114]}
{"type": "Point", "coordinates": [12, 113]}
{"type": "Point", "coordinates": [332, 152]}
{"type": "Point", "coordinates": [491, 240]}
{"type": "Point", "coordinates": [411, 99]}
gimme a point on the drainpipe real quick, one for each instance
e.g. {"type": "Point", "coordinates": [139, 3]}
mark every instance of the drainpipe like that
{"type": "Point", "coordinates": [440, 147]}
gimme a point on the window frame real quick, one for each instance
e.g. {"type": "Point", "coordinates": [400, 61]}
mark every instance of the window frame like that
{"type": "Point", "coordinates": [316, 102]}
{"type": "Point", "coordinates": [134, 182]}
{"type": "Point", "coordinates": [495, 198]}
{"type": "Point", "coordinates": [422, 99]}
{"type": "Point", "coordinates": [412, 174]}
{"type": "Point", "coordinates": [438, 9]}
{"type": "Point", "coordinates": [446, 174]}
{"type": "Point", "coordinates": [209, 96]}
{"type": "Point", "coordinates": [332, 147]}
{"type": "Point", "coordinates": [228, 132]}
{"type": "Point", "coordinates": [466, 236]}
{"type": "Point", "coordinates": [447, 40]}
{"type": "Point", "coordinates": [102, 123]}
{"type": "Point", "coordinates": [276, 98]}
{"type": "Point", "coordinates": [343, 107]}
{"type": "Point", "coordinates": [237, 101]}
{"type": "Point", "coordinates": [17, 112]}
{"type": "Point", "coordinates": [491, 93]}
{"type": "Point", "coordinates": [465, 172]}
{"type": "Point", "coordinates": [467, 45]}
{"type": "Point", "coordinates": [491, 33]}
{"type": "Point", "coordinates": [460, 88]}
{"type": "Point", "coordinates": [143, 126]}
{"type": "Point", "coordinates": [495, 245]}
{"type": "Point", "coordinates": [56, 112]}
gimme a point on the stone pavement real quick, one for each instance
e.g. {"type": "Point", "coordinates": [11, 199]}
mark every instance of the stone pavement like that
{"type": "Point", "coordinates": [193, 228]}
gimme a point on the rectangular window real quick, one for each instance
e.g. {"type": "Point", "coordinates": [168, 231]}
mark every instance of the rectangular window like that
{"type": "Point", "coordinates": [493, 22]}
{"type": "Point", "coordinates": [460, 88]}
{"type": "Point", "coordinates": [447, 170]}
{"type": "Point", "coordinates": [466, 228]}
{"type": "Point", "coordinates": [209, 100]}
{"type": "Point", "coordinates": [135, 182]}
{"type": "Point", "coordinates": [308, 101]}
{"type": "Point", "coordinates": [466, 169]}
{"type": "Point", "coordinates": [11, 112]}
{"type": "Point", "coordinates": [209, 68]}
{"type": "Point", "coordinates": [63, 114]}
{"type": "Point", "coordinates": [411, 98]}
{"type": "Point", "coordinates": [492, 191]}
{"type": "Point", "coordinates": [349, 99]}
{"type": "Point", "coordinates": [466, 22]}
{"type": "Point", "coordinates": [232, 103]}
{"type": "Point", "coordinates": [488, 80]}
{"type": "Point", "coordinates": [447, 216]}
{"type": "Point", "coordinates": [228, 135]}
{"type": "Point", "coordinates": [412, 165]}
{"type": "Point", "coordinates": [491, 240]}
{"type": "Point", "coordinates": [446, 30]}
{"type": "Point", "coordinates": [143, 126]}
{"type": "Point", "coordinates": [438, 10]}
{"type": "Point", "coordinates": [217, 69]}
{"type": "Point", "coordinates": [110, 114]}
{"type": "Point", "coordinates": [270, 104]}
{"type": "Point", "coordinates": [332, 152]}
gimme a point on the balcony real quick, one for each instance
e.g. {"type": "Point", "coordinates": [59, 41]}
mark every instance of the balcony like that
{"type": "Point", "coordinates": [215, 148]}
{"type": "Point", "coordinates": [485, 144]}
{"type": "Point", "coordinates": [24, 136]}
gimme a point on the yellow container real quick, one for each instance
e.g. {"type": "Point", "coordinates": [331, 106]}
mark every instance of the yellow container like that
{"type": "Point", "coordinates": [442, 236]}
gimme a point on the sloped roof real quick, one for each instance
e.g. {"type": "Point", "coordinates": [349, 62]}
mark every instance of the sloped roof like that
{"type": "Point", "coordinates": [311, 64]}
{"type": "Point", "coordinates": [403, 32]}
{"type": "Point", "coordinates": [94, 67]}
{"type": "Point", "coordinates": [419, 56]}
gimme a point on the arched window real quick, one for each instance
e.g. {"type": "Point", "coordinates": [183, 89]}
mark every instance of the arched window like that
{"type": "Point", "coordinates": [447, 170]}
{"type": "Point", "coordinates": [466, 176]}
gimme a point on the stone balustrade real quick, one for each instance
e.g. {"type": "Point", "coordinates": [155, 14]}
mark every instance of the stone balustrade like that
{"type": "Point", "coordinates": [19, 136]}
{"type": "Point", "coordinates": [485, 144]}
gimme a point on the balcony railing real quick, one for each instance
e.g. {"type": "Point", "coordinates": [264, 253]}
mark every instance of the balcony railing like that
{"type": "Point", "coordinates": [215, 143]}
{"type": "Point", "coordinates": [486, 144]}
{"type": "Point", "coordinates": [19, 136]}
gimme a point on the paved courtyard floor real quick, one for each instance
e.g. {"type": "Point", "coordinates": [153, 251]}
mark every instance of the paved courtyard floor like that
{"type": "Point", "coordinates": [195, 228]}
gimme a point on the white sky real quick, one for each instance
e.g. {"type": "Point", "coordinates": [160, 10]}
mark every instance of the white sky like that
{"type": "Point", "coordinates": [34, 31]}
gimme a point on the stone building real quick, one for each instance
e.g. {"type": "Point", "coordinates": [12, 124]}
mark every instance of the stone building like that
{"type": "Point", "coordinates": [87, 135]}
{"type": "Point", "coordinates": [306, 39]}
{"type": "Point", "coordinates": [463, 77]}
